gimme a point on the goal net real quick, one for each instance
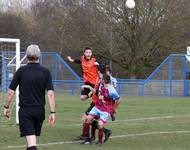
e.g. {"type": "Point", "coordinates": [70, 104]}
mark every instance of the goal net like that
{"type": "Point", "coordinates": [10, 62]}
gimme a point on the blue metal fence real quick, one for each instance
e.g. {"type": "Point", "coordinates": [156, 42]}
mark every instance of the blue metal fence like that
{"type": "Point", "coordinates": [168, 79]}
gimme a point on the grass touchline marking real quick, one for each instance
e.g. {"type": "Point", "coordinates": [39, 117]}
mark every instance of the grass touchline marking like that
{"type": "Point", "coordinates": [113, 137]}
{"type": "Point", "coordinates": [146, 118]}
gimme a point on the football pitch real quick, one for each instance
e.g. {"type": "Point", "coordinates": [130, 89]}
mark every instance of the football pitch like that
{"type": "Point", "coordinates": [142, 123]}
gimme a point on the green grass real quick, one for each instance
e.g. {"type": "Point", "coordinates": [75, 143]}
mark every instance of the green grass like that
{"type": "Point", "coordinates": [146, 123]}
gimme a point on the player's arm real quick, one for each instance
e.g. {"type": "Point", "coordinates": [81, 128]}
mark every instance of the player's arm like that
{"type": "Point", "coordinates": [96, 63]}
{"type": "Point", "coordinates": [115, 83]}
{"type": "Point", "coordinates": [116, 104]}
{"type": "Point", "coordinates": [78, 61]}
{"type": "Point", "coordinates": [116, 98]}
{"type": "Point", "coordinates": [90, 88]}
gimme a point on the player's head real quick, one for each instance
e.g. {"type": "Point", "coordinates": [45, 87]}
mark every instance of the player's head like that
{"type": "Point", "coordinates": [33, 52]}
{"type": "Point", "coordinates": [88, 53]}
{"type": "Point", "coordinates": [108, 70]}
{"type": "Point", "coordinates": [107, 79]}
{"type": "Point", "coordinates": [101, 71]}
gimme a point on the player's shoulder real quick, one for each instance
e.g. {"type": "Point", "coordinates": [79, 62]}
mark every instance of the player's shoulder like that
{"type": "Point", "coordinates": [111, 89]}
{"type": "Point", "coordinates": [44, 69]}
{"type": "Point", "coordinates": [21, 68]}
{"type": "Point", "coordinates": [113, 79]}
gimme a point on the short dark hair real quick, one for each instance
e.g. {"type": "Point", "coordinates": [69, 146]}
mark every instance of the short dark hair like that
{"type": "Point", "coordinates": [108, 68]}
{"type": "Point", "coordinates": [107, 79]}
{"type": "Point", "coordinates": [102, 68]}
{"type": "Point", "coordinates": [87, 48]}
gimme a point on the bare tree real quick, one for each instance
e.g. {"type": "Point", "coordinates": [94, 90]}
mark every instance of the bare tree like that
{"type": "Point", "coordinates": [143, 36]}
{"type": "Point", "coordinates": [132, 39]}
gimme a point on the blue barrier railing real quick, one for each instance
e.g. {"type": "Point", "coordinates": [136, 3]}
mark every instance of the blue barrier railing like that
{"type": "Point", "coordinates": [150, 86]}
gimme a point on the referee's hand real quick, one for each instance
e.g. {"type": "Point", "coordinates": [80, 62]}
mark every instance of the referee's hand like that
{"type": "Point", "coordinates": [6, 112]}
{"type": "Point", "coordinates": [51, 119]}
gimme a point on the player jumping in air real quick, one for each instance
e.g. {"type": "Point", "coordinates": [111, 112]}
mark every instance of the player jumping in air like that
{"type": "Point", "coordinates": [90, 70]}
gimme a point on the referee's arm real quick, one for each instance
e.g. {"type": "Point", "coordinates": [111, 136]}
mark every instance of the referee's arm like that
{"type": "Point", "coordinates": [51, 99]}
{"type": "Point", "coordinates": [10, 93]}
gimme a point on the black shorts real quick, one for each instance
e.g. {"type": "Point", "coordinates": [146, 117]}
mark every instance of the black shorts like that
{"type": "Point", "coordinates": [89, 108]}
{"type": "Point", "coordinates": [31, 120]}
{"type": "Point", "coordinates": [86, 91]}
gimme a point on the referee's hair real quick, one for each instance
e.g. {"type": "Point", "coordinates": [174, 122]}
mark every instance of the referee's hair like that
{"type": "Point", "coordinates": [33, 52]}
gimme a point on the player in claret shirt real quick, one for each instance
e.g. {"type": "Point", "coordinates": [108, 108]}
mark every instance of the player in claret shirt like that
{"type": "Point", "coordinates": [94, 124]}
{"type": "Point", "coordinates": [106, 104]}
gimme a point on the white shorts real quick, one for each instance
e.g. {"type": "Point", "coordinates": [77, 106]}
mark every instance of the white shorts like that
{"type": "Point", "coordinates": [104, 116]}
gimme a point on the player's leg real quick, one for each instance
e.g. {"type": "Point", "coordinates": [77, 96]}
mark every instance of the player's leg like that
{"type": "Point", "coordinates": [104, 116]}
{"type": "Point", "coordinates": [83, 97]}
{"type": "Point", "coordinates": [113, 116]}
{"type": "Point", "coordinates": [85, 92]}
{"type": "Point", "coordinates": [101, 131]}
{"type": "Point", "coordinates": [92, 114]}
{"type": "Point", "coordinates": [107, 133]}
{"type": "Point", "coordinates": [89, 117]}
{"type": "Point", "coordinates": [82, 136]}
{"type": "Point", "coordinates": [94, 127]}
{"type": "Point", "coordinates": [86, 128]}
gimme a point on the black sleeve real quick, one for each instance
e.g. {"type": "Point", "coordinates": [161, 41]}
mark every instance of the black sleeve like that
{"type": "Point", "coordinates": [100, 61]}
{"type": "Point", "coordinates": [15, 81]}
{"type": "Point", "coordinates": [49, 85]}
{"type": "Point", "coordinates": [77, 61]}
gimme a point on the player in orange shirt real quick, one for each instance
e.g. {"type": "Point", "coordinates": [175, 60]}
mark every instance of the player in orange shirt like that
{"type": "Point", "coordinates": [90, 70]}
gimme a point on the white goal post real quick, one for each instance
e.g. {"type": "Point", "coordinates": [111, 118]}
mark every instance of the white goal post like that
{"type": "Point", "coordinates": [17, 47]}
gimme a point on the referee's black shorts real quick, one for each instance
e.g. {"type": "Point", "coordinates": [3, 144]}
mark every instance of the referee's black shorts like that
{"type": "Point", "coordinates": [31, 120]}
{"type": "Point", "coordinates": [86, 91]}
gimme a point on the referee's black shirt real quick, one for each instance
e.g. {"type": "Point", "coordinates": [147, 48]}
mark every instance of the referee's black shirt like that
{"type": "Point", "coordinates": [33, 81]}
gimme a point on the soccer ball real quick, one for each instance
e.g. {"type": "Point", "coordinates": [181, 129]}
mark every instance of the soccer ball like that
{"type": "Point", "coordinates": [130, 4]}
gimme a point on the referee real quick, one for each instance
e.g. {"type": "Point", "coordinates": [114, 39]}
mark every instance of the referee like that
{"type": "Point", "coordinates": [33, 81]}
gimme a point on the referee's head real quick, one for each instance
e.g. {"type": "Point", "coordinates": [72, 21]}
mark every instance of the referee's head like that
{"type": "Point", "coordinates": [33, 52]}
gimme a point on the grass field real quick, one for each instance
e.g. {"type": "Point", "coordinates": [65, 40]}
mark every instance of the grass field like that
{"type": "Point", "coordinates": [143, 123]}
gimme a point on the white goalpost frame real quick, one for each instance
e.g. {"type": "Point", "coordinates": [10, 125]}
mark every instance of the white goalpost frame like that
{"type": "Point", "coordinates": [17, 42]}
{"type": "Point", "coordinates": [188, 54]}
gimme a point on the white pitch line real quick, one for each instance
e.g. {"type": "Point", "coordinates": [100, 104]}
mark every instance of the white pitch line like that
{"type": "Point", "coordinates": [149, 133]}
{"type": "Point", "coordinates": [130, 120]}
{"type": "Point", "coordinates": [147, 118]}
{"type": "Point", "coordinates": [152, 118]}
{"type": "Point", "coordinates": [113, 137]}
